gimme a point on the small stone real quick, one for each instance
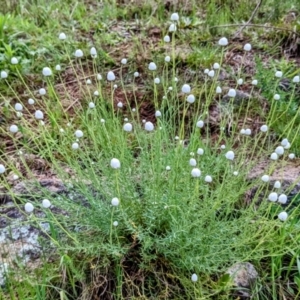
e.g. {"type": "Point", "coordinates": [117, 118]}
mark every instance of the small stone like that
{"type": "Point", "coordinates": [243, 274]}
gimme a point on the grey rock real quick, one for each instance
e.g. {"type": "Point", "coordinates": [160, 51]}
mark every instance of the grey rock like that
{"type": "Point", "coordinates": [243, 274]}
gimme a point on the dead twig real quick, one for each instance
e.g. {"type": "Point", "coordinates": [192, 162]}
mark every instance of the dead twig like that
{"type": "Point", "coordinates": [250, 19]}
{"type": "Point", "coordinates": [257, 25]}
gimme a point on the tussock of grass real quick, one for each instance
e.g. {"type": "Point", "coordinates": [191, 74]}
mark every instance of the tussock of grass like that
{"type": "Point", "coordinates": [167, 223]}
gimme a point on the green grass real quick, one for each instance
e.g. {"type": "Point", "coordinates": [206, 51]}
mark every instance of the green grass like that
{"type": "Point", "coordinates": [170, 224]}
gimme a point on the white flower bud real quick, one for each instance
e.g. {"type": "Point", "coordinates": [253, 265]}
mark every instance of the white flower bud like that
{"type": "Point", "coordinates": [127, 127]}
{"type": "Point", "coordinates": [18, 107]}
{"type": "Point", "coordinates": [152, 66]}
{"type": "Point", "coordinates": [186, 89]}
{"type": "Point", "coordinates": [194, 278]}
{"type": "Point", "coordinates": [277, 185]}
{"type": "Point", "coordinates": [296, 79]}
{"type": "Point", "coordinates": [78, 133]}
{"type": "Point", "coordinates": [282, 199]}
{"type": "Point", "coordinates": [216, 66]}
{"type": "Point", "coordinates": [2, 169]}
{"type": "Point", "coordinates": [3, 74]}
{"type": "Point", "coordinates": [167, 58]}
{"type": "Point", "coordinates": [232, 93]}
{"type": "Point", "coordinates": [254, 82]}
{"type": "Point", "coordinates": [62, 36]}
{"type": "Point", "coordinates": [264, 128]}
{"type": "Point", "coordinates": [123, 61]}
{"type": "Point", "coordinates": [111, 76]}
{"type": "Point", "coordinates": [29, 207]}
{"type": "Point", "coordinates": [172, 28]}
{"type": "Point", "coordinates": [278, 74]}
{"type": "Point", "coordinates": [279, 150]}
{"type": "Point", "coordinates": [42, 91]}
{"type": "Point", "coordinates": [240, 81]}
{"type": "Point", "coordinates": [78, 53]}
{"type": "Point", "coordinates": [193, 162]}
{"type": "Point", "coordinates": [196, 172]}
{"type": "Point", "coordinates": [292, 155]}
{"type": "Point", "coordinates": [200, 151]}
{"type": "Point", "coordinates": [211, 73]}
{"type": "Point", "coordinates": [13, 128]}
{"type": "Point", "coordinates": [208, 178]}
{"type": "Point", "coordinates": [167, 39]}
{"type": "Point", "coordinates": [30, 101]}
{"type": "Point", "coordinates": [14, 61]}
{"type": "Point", "coordinates": [46, 203]}
{"type": "Point", "coordinates": [156, 80]}
{"type": "Point", "coordinates": [93, 52]}
{"type": "Point", "coordinates": [229, 155]}
{"type": "Point", "coordinates": [223, 41]}
{"type": "Point", "coordinates": [273, 197]}
{"type": "Point", "coordinates": [283, 216]}
{"type": "Point", "coordinates": [136, 74]}
{"type": "Point", "coordinates": [115, 201]}
{"type": "Point", "coordinates": [175, 17]}
{"type": "Point", "coordinates": [265, 178]}
{"type": "Point", "coordinates": [276, 97]}
{"type": "Point", "coordinates": [218, 90]}
{"type": "Point", "coordinates": [75, 146]}
{"type": "Point", "coordinates": [39, 115]}
{"type": "Point", "coordinates": [115, 163]}
{"type": "Point", "coordinates": [149, 126]}
{"type": "Point", "coordinates": [157, 114]}
{"type": "Point", "coordinates": [47, 71]}
{"type": "Point", "coordinates": [190, 98]}
{"type": "Point", "coordinates": [200, 124]}
{"type": "Point", "coordinates": [247, 47]}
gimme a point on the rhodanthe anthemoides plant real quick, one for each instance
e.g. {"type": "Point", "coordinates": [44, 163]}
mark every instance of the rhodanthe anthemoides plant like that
{"type": "Point", "coordinates": [159, 174]}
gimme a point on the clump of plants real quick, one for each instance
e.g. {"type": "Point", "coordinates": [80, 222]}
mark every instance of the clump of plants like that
{"type": "Point", "coordinates": [158, 188]}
